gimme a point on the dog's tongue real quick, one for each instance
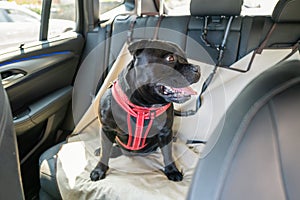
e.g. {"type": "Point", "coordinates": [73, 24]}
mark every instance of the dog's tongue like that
{"type": "Point", "coordinates": [187, 90]}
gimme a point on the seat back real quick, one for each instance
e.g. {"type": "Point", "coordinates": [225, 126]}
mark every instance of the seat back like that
{"type": "Point", "coordinates": [10, 174]}
{"type": "Point", "coordinates": [209, 20]}
{"type": "Point", "coordinates": [286, 32]}
{"type": "Point", "coordinates": [254, 156]}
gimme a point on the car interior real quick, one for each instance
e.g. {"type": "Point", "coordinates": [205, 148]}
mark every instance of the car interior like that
{"type": "Point", "coordinates": [243, 139]}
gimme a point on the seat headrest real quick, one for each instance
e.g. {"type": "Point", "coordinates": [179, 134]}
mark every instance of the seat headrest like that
{"type": "Point", "coordinates": [216, 7]}
{"type": "Point", "coordinates": [286, 11]}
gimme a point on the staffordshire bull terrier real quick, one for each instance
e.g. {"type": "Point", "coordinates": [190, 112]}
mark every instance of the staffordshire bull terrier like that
{"type": "Point", "coordinates": [136, 112]}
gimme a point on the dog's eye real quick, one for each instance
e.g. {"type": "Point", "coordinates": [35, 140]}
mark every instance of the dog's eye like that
{"type": "Point", "coordinates": [170, 58]}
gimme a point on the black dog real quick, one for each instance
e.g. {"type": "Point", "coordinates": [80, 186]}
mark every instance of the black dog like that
{"type": "Point", "coordinates": [137, 111]}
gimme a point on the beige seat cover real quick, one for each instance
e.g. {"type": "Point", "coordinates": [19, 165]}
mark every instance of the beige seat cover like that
{"type": "Point", "coordinates": [142, 177]}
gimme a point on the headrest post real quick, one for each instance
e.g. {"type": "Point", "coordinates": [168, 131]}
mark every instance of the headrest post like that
{"type": "Point", "coordinates": [161, 7]}
{"type": "Point", "coordinates": [138, 4]}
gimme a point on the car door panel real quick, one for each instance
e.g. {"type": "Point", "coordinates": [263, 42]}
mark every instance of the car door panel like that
{"type": "Point", "coordinates": [34, 78]}
{"type": "Point", "coordinates": [42, 109]}
{"type": "Point", "coordinates": [29, 77]}
{"type": "Point", "coordinates": [38, 81]}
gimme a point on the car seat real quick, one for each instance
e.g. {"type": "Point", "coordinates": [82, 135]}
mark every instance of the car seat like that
{"type": "Point", "coordinates": [255, 156]}
{"type": "Point", "coordinates": [48, 172]}
{"type": "Point", "coordinates": [10, 173]}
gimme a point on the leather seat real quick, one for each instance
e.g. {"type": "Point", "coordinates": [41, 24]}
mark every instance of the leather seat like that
{"type": "Point", "coordinates": [49, 188]}
{"type": "Point", "coordinates": [81, 100]}
{"type": "Point", "coordinates": [255, 155]}
{"type": "Point", "coordinates": [10, 175]}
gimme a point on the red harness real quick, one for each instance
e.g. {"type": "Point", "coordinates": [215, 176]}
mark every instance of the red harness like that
{"type": "Point", "coordinates": [138, 140]}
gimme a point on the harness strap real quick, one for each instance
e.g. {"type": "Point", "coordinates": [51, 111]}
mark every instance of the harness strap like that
{"type": "Point", "coordinates": [137, 140]}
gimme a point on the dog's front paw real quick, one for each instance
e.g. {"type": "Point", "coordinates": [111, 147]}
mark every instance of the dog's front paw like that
{"type": "Point", "coordinates": [173, 173]}
{"type": "Point", "coordinates": [98, 173]}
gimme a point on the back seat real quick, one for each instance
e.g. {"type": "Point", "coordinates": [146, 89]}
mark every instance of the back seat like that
{"type": "Point", "coordinates": [255, 30]}
{"type": "Point", "coordinates": [104, 44]}
{"type": "Point", "coordinates": [246, 34]}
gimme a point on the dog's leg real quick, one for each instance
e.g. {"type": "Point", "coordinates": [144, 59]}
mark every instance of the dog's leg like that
{"type": "Point", "coordinates": [101, 168]}
{"type": "Point", "coordinates": [165, 143]}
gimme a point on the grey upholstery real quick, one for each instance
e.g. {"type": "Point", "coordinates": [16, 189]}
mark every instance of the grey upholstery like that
{"type": "Point", "coordinates": [99, 55]}
{"type": "Point", "coordinates": [48, 181]}
{"type": "Point", "coordinates": [285, 34]}
{"type": "Point", "coordinates": [255, 156]}
{"type": "Point", "coordinates": [216, 7]}
{"type": "Point", "coordinates": [215, 36]}
{"type": "Point", "coordinates": [10, 175]}
{"type": "Point", "coordinates": [287, 11]}
{"type": "Point", "coordinates": [286, 16]}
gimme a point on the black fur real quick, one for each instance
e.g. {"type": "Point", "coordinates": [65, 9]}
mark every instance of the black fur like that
{"type": "Point", "coordinates": [156, 69]}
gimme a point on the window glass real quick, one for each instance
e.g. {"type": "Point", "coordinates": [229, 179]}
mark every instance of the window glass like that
{"type": "Point", "coordinates": [62, 17]}
{"type": "Point", "coordinates": [258, 7]}
{"type": "Point", "coordinates": [19, 23]}
{"type": "Point", "coordinates": [16, 15]}
{"type": "Point", "coordinates": [111, 8]}
{"type": "Point", "coordinates": [2, 16]}
{"type": "Point", "coordinates": [107, 5]}
{"type": "Point", "coordinates": [177, 7]}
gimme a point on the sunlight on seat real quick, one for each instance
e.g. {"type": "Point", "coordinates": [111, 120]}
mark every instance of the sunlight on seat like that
{"type": "Point", "coordinates": [75, 155]}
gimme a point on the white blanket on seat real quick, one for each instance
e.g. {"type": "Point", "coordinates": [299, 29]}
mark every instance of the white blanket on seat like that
{"type": "Point", "coordinates": [137, 177]}
{"type": "Point", "coordinates": [141, 177]}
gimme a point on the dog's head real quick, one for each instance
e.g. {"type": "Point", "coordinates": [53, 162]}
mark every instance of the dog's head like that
{"type": "Point", "coordinates": [160, 68]}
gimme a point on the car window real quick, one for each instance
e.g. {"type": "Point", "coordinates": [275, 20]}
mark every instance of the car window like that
{"type": "Point", "coordinates": [111, 8]}
{"type": "Point", "coordinates": [258, 7]}
{"type": "Point", "coordinates": [107, 5]}
{"type": "Point", "coordinates": [177, 7]}
{"type": "Point", "coordinates": [16, 15]}
{"type": "Point", "coordinates": [20, 21]}
{"type": "Point", "coordinates": [62, 17]}
{"type": "Point", "coordinates": [19, 24]}
{"type": "Point", "coordinates": [2, 16]}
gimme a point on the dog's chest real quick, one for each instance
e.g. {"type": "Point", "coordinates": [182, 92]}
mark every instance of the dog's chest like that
{"type": "Point", "coordinates": [135, 133]}
{"type": "Point", "coordinates": [128, 124]}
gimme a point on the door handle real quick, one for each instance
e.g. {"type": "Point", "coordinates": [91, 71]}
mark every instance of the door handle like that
{"type": "Point", "coordinates": [11, 78]}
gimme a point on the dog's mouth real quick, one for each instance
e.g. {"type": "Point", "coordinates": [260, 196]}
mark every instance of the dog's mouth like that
{"type": "Point", "coordinates": [176, 95]}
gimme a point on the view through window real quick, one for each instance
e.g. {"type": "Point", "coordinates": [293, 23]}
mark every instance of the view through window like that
{"type": "Point", "coordinates": [20, 21]}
